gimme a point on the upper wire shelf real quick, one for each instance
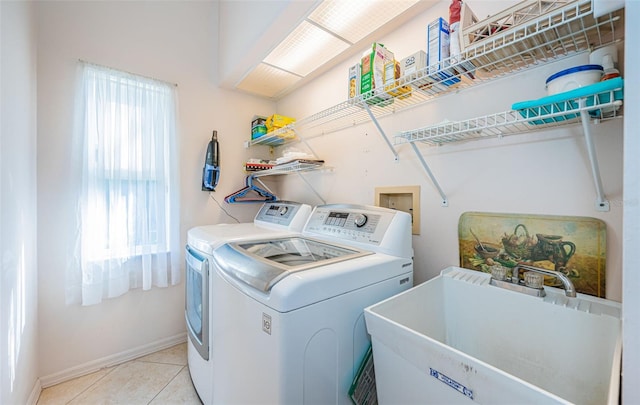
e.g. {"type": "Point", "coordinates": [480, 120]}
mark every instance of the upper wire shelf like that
{"type": "Point", "coordinates": [562, 32]}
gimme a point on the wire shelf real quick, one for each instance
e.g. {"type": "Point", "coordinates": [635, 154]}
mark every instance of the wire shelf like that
{"type": "Point", "coordinates": [562, 32]}
{"type": "Point", "coordinates": [605, 106]}
{"type": "Point", "coordinates": [291, 167]}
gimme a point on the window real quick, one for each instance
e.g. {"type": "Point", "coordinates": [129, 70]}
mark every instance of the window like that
{"type": "Point", "coordinates": [129, 214]}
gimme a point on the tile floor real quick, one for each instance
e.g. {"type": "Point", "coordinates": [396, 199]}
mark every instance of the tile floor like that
{"type": "Point", "coordinates": [160, 378]}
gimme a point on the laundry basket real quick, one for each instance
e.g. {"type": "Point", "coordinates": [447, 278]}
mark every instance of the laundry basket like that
{"type": "Point", "coordinates": [363, 388]}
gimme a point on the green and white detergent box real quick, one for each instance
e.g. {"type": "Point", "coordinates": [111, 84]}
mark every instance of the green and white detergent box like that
{"type": "Point", "coordinates": [372, 75]}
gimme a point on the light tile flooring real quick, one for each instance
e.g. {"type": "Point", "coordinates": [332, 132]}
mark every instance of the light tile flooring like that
{"type": "Point", "coordinates": [160, 378]}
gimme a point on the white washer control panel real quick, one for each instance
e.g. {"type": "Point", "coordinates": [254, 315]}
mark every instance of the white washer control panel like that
{"type": "Point", "coordinates": [282, 213]}
{"type": "Point", "coordinates": [350, 222]}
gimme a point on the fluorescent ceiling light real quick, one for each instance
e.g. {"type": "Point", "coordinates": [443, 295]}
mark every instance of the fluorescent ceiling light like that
{"type": "Point", "coordinates": [306, 48]}
{"type": "Point", "coordinates": [355, 19]}
{"type": "Point", "coordinates": [329, 30]}
{"type": "Point", "coordinates": [267, 81]}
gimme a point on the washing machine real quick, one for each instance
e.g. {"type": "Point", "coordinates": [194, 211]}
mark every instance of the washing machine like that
{"type": "Point", "coordinates": [288, 312]}
{"type": "Point", "coordinates": [273, 220]}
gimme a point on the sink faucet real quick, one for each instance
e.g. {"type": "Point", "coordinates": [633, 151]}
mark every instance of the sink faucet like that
{"type": "Point", "coordinates": [569, 289]}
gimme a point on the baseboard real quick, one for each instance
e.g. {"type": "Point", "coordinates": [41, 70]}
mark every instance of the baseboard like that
{"type": "Point", "coordinates": [35, 393]}
{"type": "Point", "coordinates": [109, 361]}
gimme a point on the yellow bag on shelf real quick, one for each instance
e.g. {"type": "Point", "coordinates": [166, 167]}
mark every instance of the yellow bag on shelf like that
{"type": "Point", "coordinates": [276, 121]}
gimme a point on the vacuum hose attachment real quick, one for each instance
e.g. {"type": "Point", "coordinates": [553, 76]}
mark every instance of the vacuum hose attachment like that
{"type": "Point", "coordinates": [211, 170]}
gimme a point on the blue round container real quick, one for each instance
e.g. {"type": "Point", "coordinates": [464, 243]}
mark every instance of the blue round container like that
{"type": "Point", "coordinates": [574, 69]}
{"type": "Point", "coordinates": [572, 78]}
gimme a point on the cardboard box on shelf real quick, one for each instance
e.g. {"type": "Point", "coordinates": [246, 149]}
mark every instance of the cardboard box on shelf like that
{"type": "Point", "coordinates": [372, 75]}
{"type": "Point", "coordinates": [354, 81]}
{"type": "Point", "coordinates": [437, 44]}
{"type": "Point", "coordinates": [258, 130]}
{"type": "Point", "coordinates": [413, 63]}
{"type": "Point", "coordinates": [254, 165]}
{"type": "Point", "coordinates": [258, 127]}
{"type": "Point", "coordinates": [413, 68]}
{"type": "Point", "coordinates": [438, 53]}
{"type": "Point", "coordinates": [391, 82]}
{"type": "Point", "coordinates": [258, 120]}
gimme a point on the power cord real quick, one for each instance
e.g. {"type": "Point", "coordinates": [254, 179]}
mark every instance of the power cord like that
{"type": "Point", "coordinates": [222, 208]}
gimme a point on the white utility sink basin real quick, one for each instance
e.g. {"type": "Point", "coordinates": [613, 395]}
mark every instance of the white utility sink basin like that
{"type": "Point", "coordinates": [458, 339]}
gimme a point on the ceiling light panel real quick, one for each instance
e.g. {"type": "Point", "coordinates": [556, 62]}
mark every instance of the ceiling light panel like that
{"type": "Point", "coordinates": [267, 81]}
{"type": "Point", "coordinates": [305, 49]}
{"type": "Point", "coordinates": [355, 19]}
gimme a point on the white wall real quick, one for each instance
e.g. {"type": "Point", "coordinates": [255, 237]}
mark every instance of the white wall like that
{"type": "Point", "coordinates": [171, 41]}
{"type": "Point", "coordinates": [631, 253]}
{"type": "Point", "coordinates": [18, 191]}
{"type": "Point", "coordinates": [536, 173]}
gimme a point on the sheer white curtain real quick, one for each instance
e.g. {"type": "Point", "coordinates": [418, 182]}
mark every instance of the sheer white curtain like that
{"type": "Point", "coordinates": [129, 216]}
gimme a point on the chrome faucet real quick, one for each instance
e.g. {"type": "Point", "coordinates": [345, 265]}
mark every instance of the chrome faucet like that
{"type": "Point", "coordinates": [569, 288]}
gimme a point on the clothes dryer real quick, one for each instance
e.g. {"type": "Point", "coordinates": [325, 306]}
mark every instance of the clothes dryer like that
{"type": "Point", "coordinates": [288, 312]}
{"type": "Point", "coordinates": [274, 220]}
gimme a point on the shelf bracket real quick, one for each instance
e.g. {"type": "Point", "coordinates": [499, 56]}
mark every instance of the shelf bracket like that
{"type": "Point", "coordinates": [303, 140]}
{"type": "Point", "coordinates": [602, 204]}
{"type": "Point", "coordinates": [384, 136]}
{"type": "Point", "coordinates": [444, 201]}
{"type": "Point", "coordinates": [311, 187]}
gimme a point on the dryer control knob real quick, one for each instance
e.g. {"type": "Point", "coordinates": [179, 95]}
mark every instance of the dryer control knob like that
{"type": "Point", "coordinates": [283, 210]}
{"type": "Point", "coordinates": [360, 220]}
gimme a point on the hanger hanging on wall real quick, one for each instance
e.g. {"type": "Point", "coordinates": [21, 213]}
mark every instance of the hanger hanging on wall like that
{"type": "Point", "coordinates": [250, 193]}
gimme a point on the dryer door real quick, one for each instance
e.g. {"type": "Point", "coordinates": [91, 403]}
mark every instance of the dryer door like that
{"type": "Point", "coordinates": [197, 301]}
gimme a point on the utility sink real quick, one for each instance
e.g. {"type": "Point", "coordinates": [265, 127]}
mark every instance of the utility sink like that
{"type": "Point", "coordinates": [458, 339]}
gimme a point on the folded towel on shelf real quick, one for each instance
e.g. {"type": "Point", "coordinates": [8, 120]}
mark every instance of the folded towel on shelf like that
{"type": "Point", "coordinates": [297, 162]}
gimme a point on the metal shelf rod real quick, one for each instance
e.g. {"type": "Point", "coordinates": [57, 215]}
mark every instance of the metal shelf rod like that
{"type": "Point", "coordinates": [384, 136]}
{"type": "Point", "coordinates": [311, 187]}
{"type": "Point", "coordinates": [444, 201]}
{"type": "Point", "coordinates": [602, 204]}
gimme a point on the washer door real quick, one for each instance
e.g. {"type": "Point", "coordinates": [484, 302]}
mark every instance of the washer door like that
{"type": "Point", "coordinates": [261, 264]}
{"type": "Point", "coordinates": [197, 301]}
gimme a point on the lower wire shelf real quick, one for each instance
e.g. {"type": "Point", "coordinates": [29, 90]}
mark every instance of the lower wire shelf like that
{"type": "Point", "coordinates": [533, 116]}
{"type": "Point", "coordinates": [297, 167]}
{"type": "Point", "coordinates": [292, 167]}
